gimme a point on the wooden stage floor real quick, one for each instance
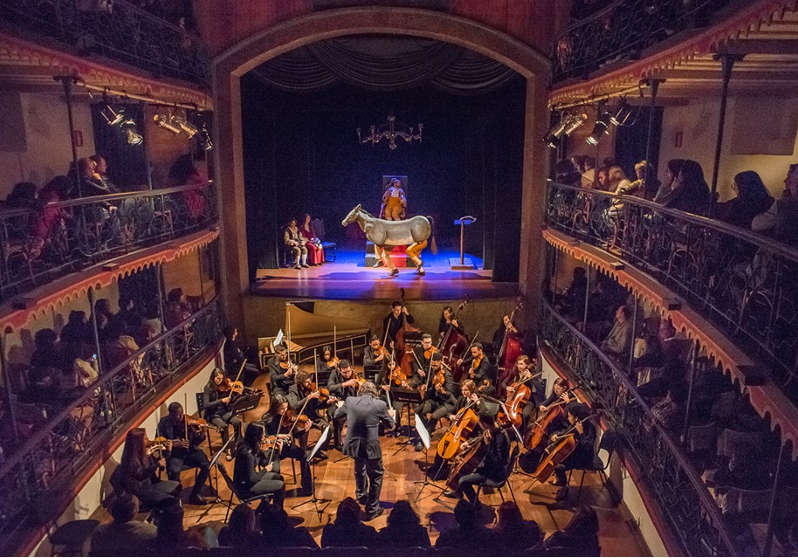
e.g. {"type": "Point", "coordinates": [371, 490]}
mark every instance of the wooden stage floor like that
{"type": "Point", "coordinates": [335, 480]}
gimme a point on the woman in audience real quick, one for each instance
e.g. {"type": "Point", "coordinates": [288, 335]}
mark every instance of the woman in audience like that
{"type": "Point", "coordinates": [513, 533]}
{"type": "Point", "coordinates": [404, 530]}
{"type": "Point", "coordinates": [136, 473]}
{"type": "Point", "coordinates": [781, 218]}
{"type": "Point", "coordinates": [104, 316]}
{"type": "Point", "coordinates": [578, 538]}
{"type": "Point", "coordinates": [45, 220]}
{"type": "Point", "coordinates": [176, 308]}
{"type": "Point", "coordinates": [684, 188]}
{"type": "Point", "coordinates": [242, 531]}
{"type": "Point", "coordinates": [752, 199]}
{"type": "Point", "coordinates": [469, 536]}
{"type": "Point", "coordinates": [183, 172]}
{"type": "Point", "coordinates": [347, 529]}
{"type": "Point", "coordinates": [278, 533]}
{"type": "Point", "coordinates": [173, 540]}
{"type": "Point", "coordinates": [313, 244]}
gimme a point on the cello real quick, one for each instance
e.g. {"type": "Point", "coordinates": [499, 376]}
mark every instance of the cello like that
{"type": "Point", "coordinates": [402, 348]}
{"type": "Point", "coordinates": [518, 395]}
{"type": "Point", "coordinates": [453, 343]}
{"type": "Point", "coordinates": [511, 347]}
{"type": "Point", "coordinates": [557, 452]}
{"type": "Point", "coordinates": [537, 433]}
{"type": "Point", "coordinates": [462, 427]}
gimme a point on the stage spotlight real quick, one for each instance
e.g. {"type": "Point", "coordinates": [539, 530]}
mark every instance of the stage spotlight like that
{"type": "Point", "coordinates": [186, 126]}
{"type": "Point", "coordinates": [567, 125]}
{"type": "Point", "coordinates": [131, 134]}
{"type": "Point", "coordinates": [622, 114]}
{"type": "Point", "coordinates": [600, 128]}
{"type": "Point", "coordinates": [111, 117]}
{"type": "Point", "coordinates": [164, 123]}
{"type": "Point", "coordinates": [574, 122]}
{"type": "Point", "coordinates": [205, 139]}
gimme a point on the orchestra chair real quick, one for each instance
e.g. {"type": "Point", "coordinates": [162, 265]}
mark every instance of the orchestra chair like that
{"type": "Point", "coordinates": [506, 481]}
{"type": "Point", "coordinates": [200, 412]}
{"type": "Point", "coordinates": [73, 537]}
{"type": "Point", "coordinates": [601, 463]}
{"type": "Point", "coordinates": [234, 492]}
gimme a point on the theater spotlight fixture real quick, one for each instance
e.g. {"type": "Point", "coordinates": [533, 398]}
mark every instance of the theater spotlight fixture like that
{"type": "Point", "coordinates": [186, 126]}
{"type": "Point", "coordinates": [132, 136]}
{"type": "Point", "coordinates": [111, 117]}
{"type": "Point", "coordinates": [622, 114]}
{"type": "Point", "coordinates": [567, 125]}
{"type": "Point", "coordinates": [164, 122]}
{"type": "Point", "coordinates": [205, 139]}
{"type": "Point", "coordinates": [600, 128]}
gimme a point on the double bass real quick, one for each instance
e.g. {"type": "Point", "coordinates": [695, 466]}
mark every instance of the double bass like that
{"type": "Point", "coordinates": [510, 349]}
{"type": "Point", "coordinates": [402, 348]}
{"type": "Point", "coordinates": [453, 343]}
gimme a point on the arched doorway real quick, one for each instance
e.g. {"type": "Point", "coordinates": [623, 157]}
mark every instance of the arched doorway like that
{"type": "Point", "coordinates": [231, 65]}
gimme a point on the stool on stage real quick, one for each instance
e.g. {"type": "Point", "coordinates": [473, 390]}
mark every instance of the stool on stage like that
{"type": "Point", "coordinates": [463, 262]}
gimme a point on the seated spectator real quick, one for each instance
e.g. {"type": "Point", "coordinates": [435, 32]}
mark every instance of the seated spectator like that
{"type": "Point", "coordinates": [347, 529]}
{"type": "Point", "coordinates": [277, 533]}
{"type": "Point", "coordinates": [104, 317]}
{"type": "Point", "coordinates": [151, 325]}
{"type": "Point", "coordinates": [684, 188]}
{"type": "Point", "coordinates": [91, 183]}
{"type": "Point", "coordinates": [512, 532]}
{"type": "Point", "coordinates": [469, 537]}
{"type": "Point", "coordinates": [128, 315]}
{"type": "Point", "coordinates": [84, 366]}
{"type": "Point", "coordinates": [666, 367]}
{"type": "Point", "coordinates": [173, 540]}
{"type": "Point", "coordinates": [752, 200]}
{"type": "Point", "coordinates": [572, 302]}
{"type": "Point", "coordinates": [77, 329]}
{"type": "Point", "coordinates": [46, 352]}
{"type": "Point", "coordinates": [781, 218]}
{"type": "Point", "coordinates": [565, 172]}
{"type": "Point", "coordinates": [242, 531]}
{"type": "Point", "coordinates": [101, 172]}
{"type": "Point", "coordinates": [578, 538]}
{"type": "Point", "coordinates": [176, 308]}
{"type": "Point", "coordinates": [603, 178]}
{"type": "Point", "coordinates": [404, 529]}
{"type": "Point", "coordinates": [618, 183]}
{"type": "Point", "coordinates": [183, 172]}
{"type": "Point", "coordinates": [124, 533]}
{"type": "Point", "coordinates": [669, 411]}
{"type": "Point", "coordinates": [646, 184]}
{"type": "Point", "coordinates": [46, 220]}
{"type": "Point", "coordinates": [22, 196]}
{"type": "Point", "coordinates": [648, 348]}
{"type": "Point", "coordinates": [118, 346]}
{"type": "Point", "coordinates": [619, 339]}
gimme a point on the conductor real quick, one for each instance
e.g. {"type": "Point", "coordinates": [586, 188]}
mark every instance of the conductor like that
{"type": "Point", "coordinates": [363, 414]}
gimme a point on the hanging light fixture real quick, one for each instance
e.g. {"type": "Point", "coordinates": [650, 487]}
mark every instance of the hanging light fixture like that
{"type": "Point", "coordinates": [622, 114]}
{"type": "Point", "coordinates": [131, 134]}
{"type": "Point", "coordinates": [391, 131]}
{"type": "Point", "coordinates": [205, 139]}
{"type": "Point", "coordinates": [112, 118]}
{"type": "Point", "coordinates": [165, 123]}
{"type": "Point", "coordinates": [183, 123]}
{"type": "Point", "coordinates": [600, 128]}
{"type": "Point", "coordinates": [567, 125]}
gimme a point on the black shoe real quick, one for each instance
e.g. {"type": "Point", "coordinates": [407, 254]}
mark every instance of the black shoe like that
{"type": "Point", "coordinates": [197, 500]}
{"type": "Point", "coordinates": [362, 500]}
{"type": "Point", "coordinates": [378, 263]}
{"type": "Point", "coordinates": [305, 265]}
{"type": "Point", "coordinates": [394, 272]}
{"type": "Point", "coordinates": [375, 514]}
{"type": "Point", "coordinates": [451, 494]}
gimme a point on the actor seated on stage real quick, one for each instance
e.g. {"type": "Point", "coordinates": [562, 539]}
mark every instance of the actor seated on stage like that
{"type": "Point", "coordinates": [293, 446]}
{"type": "Point", "coordinates": [494, 465]}
{"type": "Point", "coordinates": [578, 416]}
{"type": "Point", "coordinates": [439, 401]}
{"type": "Point", "coordinates": [313, 244]}
{"type": "Point", "coordinates": [184, 453]}
{"type": "Point", "coordinates": [394, 201]}
{"type": "Point", "coordinates": [342, 384]}
{"type": "Point", "coordinates": [302, 398]}
{"type": "Point", "coordinates": [281, 371]}
{"type": "Point", "coordinates": [478, 367]}
{"type": "Point", "coordinates": [296, 243]}
{"type": "Point", "coordinates": [253, 474]}
{"type": "Point", "coordinates": [363, 414]}
{"type": "Point", "coordinates": [375, 358]}
{"type": "Point", "coordinates": [216, 407]}
{"type": "Point", "coordinates": [449, 319]}
{"type": "Point", "coordinates": [393, 322]}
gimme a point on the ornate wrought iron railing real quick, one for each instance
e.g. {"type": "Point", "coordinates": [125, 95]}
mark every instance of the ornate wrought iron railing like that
{"type": "Point", "coordinates": [38, 245]}
{"type": "Point", "coordinates": [745, 283]}
{"type": "Point", "coordinates": [676, 484]}
{"type": "Point", "coordinates": [116, 29]}
{"type": "Point", "coordinates": [622, 30]}
{"type": "Point", "coordinates": [37, 475]}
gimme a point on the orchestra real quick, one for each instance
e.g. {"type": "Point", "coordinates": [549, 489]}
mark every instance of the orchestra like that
{"type": "Point", "coordinates": [471, 426]}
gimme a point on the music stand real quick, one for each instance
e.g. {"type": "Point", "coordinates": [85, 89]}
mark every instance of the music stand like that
{"type": "Point", "coordinates": [315, 501]}
{"type": "Point", "coordinates": [212, 466]}
{"type": "Point", "coordinates": [423, 433]}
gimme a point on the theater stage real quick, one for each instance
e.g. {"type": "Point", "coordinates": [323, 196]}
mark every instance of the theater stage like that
{"type": "Point", "coordinates": [349, 279]}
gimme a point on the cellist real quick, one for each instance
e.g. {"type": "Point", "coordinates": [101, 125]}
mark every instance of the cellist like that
{"type": "Point", "coordinates": [582, 457]}
{"type": "Point", "coordinates": [522, 375]}
{"type": "Point", "coordinates": [468, 397]}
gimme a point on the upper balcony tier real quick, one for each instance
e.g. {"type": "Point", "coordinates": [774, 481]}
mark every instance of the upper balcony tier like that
{"type": "Point", "coordinates": [677, 44]}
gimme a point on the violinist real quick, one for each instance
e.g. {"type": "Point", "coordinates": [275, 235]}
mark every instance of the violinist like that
{"type": "Point", "coordinates": [478, 367]}
{"type": "Point", "coordinates": [216, 407]}
{"type": "Point", "coordinates": [375, 357]}
{"type": "Point", "coordinates": [449, 319]}
{"type": "Point", "coordinates": [184, 453]}
{"type": "Point", "coordinates": [278, 423]}
{"type": "Point", "coordinates": [582, 456]}
{"type": "Point", "coordinates": [385, 381]}
{"type": "Point", "coordinates": [493, 466]}
{"type": "Point", "coordinates": [305, 391]}
{"type": "Point", "coordinates": [327, 363]}
{"type": "Point", "coordinates": [438, 401]}
{"type": "Point", "coordinates": [394, 321]}
{"type": "Point", "coordinates": [421, 360]}
{"type": "Point", "coordinates": [342, 384]}
{"type": "Point", "coordinates": [250, 457]}
{"type": "Point", "coordinates": [281, 370]}
{"type": "Point", "coordinates": [137, 472]}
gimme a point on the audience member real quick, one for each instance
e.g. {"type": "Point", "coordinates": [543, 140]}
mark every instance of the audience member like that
{"type": "Point", "coordinates": [278, 533]}
{"type": "Point", "coordinates": [22, 196]}
{"type": "Point", "coordinates": [173, 540]}
{"type": "Point", "coordinates": [404, 529]}
{"type": "Point", "coordinates": [241, 532]}
{"type": "Point", "coordinates": [469, 536]}
{"type": "Point", "coordinates": [348, 529]}
{"type": "Point", "coordinates": [103, 316]}
{"type": "Point", "coordinates": [182, 173]}
{"type": "Point", "coordinates": [781, 218]}
{"type": "Point", "coordinates": [752, 200]}
{"type": "Point", "coordinates": [565, 172]}
{"type": "Point", "coordinates": [619, 339]}
{"type": "Point", "coordinates": [646, 184]}
{"type": "Point", "coordinates": [45, 220]}
{"type": "Point", "coordinates": [176, 308]}
{"type": "Point", "coordinates": [572, 302]}
{"type": "Point", "coordinates": [578, 538]}
{"type": "Point", "coordinates": [684, 188]}
{"type": "Point", "coordinates": [124, 533]}
{"type": "Point", "coordinates": [512, 532]}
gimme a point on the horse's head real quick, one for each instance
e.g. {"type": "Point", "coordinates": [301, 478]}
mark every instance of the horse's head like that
{"type": "Point", "coordinates": [350, 218]}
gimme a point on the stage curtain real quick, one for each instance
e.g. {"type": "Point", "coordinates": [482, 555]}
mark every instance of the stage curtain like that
{"type": "Point", "coordinates": [384, 64]}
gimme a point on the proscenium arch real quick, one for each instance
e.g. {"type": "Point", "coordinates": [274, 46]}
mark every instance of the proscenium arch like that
{"type": "Point", "coordinates": [229, 66]}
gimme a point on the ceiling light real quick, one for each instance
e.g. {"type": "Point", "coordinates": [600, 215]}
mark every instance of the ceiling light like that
{"type": "Point", "coordinates": [622, 113]}
{"type": "Point", "coordinates": [205, 139]}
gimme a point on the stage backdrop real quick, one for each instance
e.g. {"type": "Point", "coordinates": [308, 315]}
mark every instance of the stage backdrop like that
{"type": "Point", "coordinates": [302, 155]}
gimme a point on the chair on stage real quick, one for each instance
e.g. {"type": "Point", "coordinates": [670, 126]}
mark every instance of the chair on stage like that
{"type": "Point", "coordinates": [234, 492]}
{"type": "Point", "coordinates": [330, 248]}
{"type": "Point", "coordinates": [498, 485]}
{"type": "Point", "coordinates": [607, 445]}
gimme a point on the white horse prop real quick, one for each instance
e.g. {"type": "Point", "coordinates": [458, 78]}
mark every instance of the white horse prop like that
{"type": "Point", "coordinates": [413, 233]}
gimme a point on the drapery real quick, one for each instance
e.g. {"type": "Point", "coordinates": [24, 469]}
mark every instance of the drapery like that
{"type": "Point", "coordinates": [385, 64]}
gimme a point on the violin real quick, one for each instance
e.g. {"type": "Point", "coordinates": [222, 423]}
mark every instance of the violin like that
{"type": "Point", "coordinates": [429, 352]}
{"type": "Point", "coordinates": [474, 365]}
{"type": "Point", "coordinates": [273, 442]}
{"type": "Point", "coordinates": [291, 419]}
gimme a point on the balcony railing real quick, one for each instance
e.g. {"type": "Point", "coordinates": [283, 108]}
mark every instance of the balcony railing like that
{"type": "Point", "coordinates": [36, 477]}
{"type": "Point", "coordinates": [673, 480]}
{"type": "Point", "coordinates": [744, 283]}
{"type": "Point", "coordinates": [622, 30]}
{"type": "Point", "coordinates": [38, 245]}
{"type": "Point", "coordinates": [116, 30]}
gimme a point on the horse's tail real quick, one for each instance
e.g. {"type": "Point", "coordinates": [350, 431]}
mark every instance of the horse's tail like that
{"type": "Point", "coordinates": [433, 246]}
